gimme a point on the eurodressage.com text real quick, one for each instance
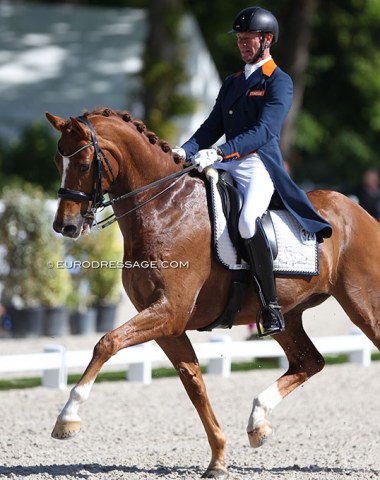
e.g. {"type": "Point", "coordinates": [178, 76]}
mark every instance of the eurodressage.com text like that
{"type": "Point", "coordinates": [77, 264]}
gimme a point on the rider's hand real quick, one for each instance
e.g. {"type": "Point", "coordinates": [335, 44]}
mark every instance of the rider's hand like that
{"type": "Point", "coordinates": [205, 158]}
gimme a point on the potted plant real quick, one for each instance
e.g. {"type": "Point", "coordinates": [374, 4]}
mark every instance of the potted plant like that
{"type": "Point", "coordinates": [82, 313]}
{"type": "Point", "coordinates": [105, 250]}
{"type": "Point", "coordinates": [29, 276]}
{"type": "Point", "coordinates": [56, 283]}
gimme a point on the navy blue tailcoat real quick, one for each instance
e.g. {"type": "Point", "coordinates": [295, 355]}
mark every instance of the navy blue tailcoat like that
{"type": "Point", "coordinates": [250, 112]}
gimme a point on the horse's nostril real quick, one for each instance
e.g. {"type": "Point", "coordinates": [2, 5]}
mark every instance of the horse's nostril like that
{"type": "Point", "coordinates": [57, 227]}
{"type": "Point", "coordinates": [69, 231]}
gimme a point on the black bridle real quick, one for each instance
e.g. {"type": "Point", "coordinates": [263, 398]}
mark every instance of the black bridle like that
{"type": "Point", "coordinates": [97, 195]}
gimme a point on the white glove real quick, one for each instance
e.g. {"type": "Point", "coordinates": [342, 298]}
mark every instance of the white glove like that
{"type": "Point", "coordinates": [180, 152]}
{"type": "Point", "coordinates": [205, 158]}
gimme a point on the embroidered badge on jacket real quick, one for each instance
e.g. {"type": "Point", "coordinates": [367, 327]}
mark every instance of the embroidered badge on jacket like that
{"type": "Point", "coordinates": [256, 93]}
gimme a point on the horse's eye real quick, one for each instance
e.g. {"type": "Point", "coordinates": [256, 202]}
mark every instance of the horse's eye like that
{"type": "Point", "coordinates": [83, 167]}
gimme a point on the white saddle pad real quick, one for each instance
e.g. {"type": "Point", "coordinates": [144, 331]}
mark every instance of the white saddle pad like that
{"type": "Point", "coordinates": [297, 248]}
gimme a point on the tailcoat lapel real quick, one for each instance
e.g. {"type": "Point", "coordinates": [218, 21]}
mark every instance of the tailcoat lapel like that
{"type": "Point", "coordinates": [240, 86]}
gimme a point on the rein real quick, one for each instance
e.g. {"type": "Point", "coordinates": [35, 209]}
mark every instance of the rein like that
{"type": "Point", "coordinates": [113, 218]}
{"type": "Point", "coordinates": [97, 197]}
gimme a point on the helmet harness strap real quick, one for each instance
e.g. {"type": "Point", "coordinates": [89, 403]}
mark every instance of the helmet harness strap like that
{"type": "Point", "coordinates": [260, 53]}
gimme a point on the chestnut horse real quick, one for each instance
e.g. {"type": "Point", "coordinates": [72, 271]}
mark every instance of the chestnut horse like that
{"type": "Point", "coordinates": [120, 156]}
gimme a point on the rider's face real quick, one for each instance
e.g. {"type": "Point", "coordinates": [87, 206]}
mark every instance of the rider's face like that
{"type": "Point", "coordinates": [249, 45]}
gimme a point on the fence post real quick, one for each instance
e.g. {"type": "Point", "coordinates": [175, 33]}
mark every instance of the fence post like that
{"type": "Point", "coordinates": [141, 371]}
{"type": "Point", "coordinates": [362, 357]}
{"type": "Point", "coordinates": [56, 377]}
{"type": "Point", "coordinates": [221, 365]}
{"type": "Point", "coordinates": [283, 362]}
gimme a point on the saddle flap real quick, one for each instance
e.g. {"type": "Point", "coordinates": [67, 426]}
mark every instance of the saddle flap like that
{"type": "Point", "coordinates": [297, 253]}
{"type": "Point", "coordinates": [232, 203]}
{"type": "Point", "coordinates": [267, 223]}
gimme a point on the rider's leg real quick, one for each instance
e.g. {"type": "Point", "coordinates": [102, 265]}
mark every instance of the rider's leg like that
{"type": "Point", "coordinates": [270, 319]}
{"type": "Point", "coordinates": [254, 181]}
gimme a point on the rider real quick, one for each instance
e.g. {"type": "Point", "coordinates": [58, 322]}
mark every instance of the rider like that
{"type": "Point", "coordinates": [250, 110]}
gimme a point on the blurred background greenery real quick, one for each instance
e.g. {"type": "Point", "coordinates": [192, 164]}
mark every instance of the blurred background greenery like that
{"type": "Point", "coordinates": [330, 49]}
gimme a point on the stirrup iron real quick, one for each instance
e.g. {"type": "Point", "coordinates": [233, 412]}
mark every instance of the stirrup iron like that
{"type": "Point", "coordinates": [274, 323]}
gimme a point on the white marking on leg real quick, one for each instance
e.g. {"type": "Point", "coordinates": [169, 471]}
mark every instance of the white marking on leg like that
{"type": "Point", "coordinates": [262, 405]}
{"type": "Point", "coordinates": [78, 395]}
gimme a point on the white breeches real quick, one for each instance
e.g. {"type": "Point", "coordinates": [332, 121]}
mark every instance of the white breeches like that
{"type": "Point", "coordinates": [253, 180]}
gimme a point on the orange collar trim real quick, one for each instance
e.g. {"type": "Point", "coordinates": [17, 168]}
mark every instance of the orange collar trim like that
{"type": "Point", "coordinates": [269, 67]}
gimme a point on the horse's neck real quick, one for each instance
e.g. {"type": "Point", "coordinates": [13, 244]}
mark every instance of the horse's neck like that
{"type": "Point", "coordinates": [141, 164]}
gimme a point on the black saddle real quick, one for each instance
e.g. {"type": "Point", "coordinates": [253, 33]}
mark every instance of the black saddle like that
{"type": "Point", "coordinates": [232, 202]}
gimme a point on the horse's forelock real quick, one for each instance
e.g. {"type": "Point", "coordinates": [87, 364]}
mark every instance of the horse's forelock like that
{"type": "Point", "coordinates": [67, 125]}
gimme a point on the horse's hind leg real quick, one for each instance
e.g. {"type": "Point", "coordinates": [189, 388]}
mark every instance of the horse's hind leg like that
{"type": "Point", "coordinates": [362, 305]}
{"type": "Point", "coordinates": [304, 361]}
{"type": "Point", "coordinates": [181, 353]}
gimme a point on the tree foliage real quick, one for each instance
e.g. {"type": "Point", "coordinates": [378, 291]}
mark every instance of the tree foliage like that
{"type": "Point", "coordinates": [164, 71]}
{"type": "Point", "coordinates": [338, 124]}
{"type": "Point", "coordinates": [340, 120]}
{"type": "Point", "coordinates": [30, 158]}
{"type": "Point", "coordinates": [31, 248]}
{"type": "Point", "coordinates": [329, 48]}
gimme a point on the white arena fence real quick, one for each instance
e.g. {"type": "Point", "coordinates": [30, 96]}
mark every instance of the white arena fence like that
{"type": "Point", "coordinates": [217, 354]}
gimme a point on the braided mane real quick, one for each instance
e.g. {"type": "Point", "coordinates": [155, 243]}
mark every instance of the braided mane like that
{"type": "Point", "coordinates": [140, 127]}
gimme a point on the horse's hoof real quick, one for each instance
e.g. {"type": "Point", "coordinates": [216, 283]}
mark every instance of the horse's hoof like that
{"type": "Point", "coordinates": [64, 430]}
{"type": "Point", "coordinates": [216, 474]}
{"type": "Point", "coordinates": [260, 435]}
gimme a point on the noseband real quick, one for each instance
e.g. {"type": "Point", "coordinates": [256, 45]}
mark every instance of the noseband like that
{"type": "Point", "coordinates": [96, 197]}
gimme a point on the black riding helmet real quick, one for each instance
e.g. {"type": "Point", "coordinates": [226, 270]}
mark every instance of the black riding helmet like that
{"type": "Point", "coordinates": [256, 19]}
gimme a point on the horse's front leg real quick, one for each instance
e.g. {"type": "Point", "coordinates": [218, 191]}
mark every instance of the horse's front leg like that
{"type": "Point", "coordinates": [304, 361]}
{"type": "Point", "coordinates": [181, 353]}
{"type": "Point", "coordinates": [154, 322]}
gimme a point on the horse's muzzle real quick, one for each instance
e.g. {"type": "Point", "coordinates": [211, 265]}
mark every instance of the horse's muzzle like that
{"type": "Point", "coordinates": [69, 230]}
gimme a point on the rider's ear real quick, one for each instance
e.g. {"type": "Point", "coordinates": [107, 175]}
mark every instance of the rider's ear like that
{"type": "Point", "coordinates": [268, 39]}
{"type": "Point", "coordinates": [56, 122]}
{"type": "Point", "coordinates": [78, 127]}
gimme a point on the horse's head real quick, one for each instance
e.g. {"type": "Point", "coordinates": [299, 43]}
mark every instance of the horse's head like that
{"type": "Point", "coordinates": [86, 174]}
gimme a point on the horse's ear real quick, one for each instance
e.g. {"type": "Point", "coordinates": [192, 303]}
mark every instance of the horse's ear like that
{"type": "Point", "coordinates": [57, 122]}
{"type": "Point", "coordinates": [78, 127]}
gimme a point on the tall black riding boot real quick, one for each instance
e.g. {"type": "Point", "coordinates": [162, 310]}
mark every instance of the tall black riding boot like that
{"type": "Point", "coordinates": [269, 318]}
